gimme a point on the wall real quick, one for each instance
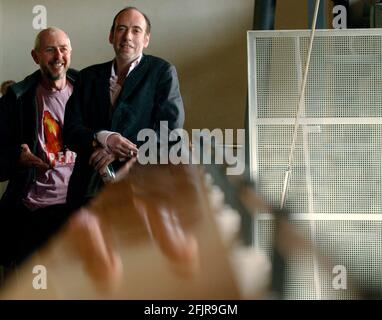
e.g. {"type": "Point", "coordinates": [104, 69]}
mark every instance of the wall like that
{"type": "Point", "coordinates": [292, 14]}
{"type": "Point", "coordinates": [205, 39]}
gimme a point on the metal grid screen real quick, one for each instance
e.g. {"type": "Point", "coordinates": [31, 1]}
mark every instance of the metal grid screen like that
{"type": "Point", "coordinates": [337, 167]}
{"type": "Point", "coordinates": [355, 245]}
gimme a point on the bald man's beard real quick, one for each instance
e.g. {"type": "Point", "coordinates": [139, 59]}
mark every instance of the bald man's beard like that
{"type": "Point", "coordinates": [53, 76]}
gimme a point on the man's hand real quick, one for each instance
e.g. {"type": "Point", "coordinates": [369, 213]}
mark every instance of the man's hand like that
{"type": "Point", "coordinates": [28, 159]}
{"type": "Point", "coordinates": [101, 158]}
{"type": "Point", "coordinates": [121, 147]}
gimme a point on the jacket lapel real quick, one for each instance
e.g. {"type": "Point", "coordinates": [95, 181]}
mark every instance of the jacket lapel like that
{"type": "Point", "coordinates": [132, 80]}
{"type": "Point", "coordinates": [102, 88]}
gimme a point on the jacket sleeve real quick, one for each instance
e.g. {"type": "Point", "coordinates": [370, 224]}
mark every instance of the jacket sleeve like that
{"type": "Point", "coordinates": [77, 137]}
{"type": "Point", "coordinates": [169, 103]}
{"type": "Point", "coordinates": [10, 146]}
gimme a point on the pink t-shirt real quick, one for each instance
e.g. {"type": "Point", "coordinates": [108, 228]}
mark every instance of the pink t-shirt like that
{"type": "Point", "coordinates": [51, 185]}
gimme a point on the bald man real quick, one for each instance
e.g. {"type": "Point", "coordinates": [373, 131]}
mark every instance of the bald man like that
{"type": "Point", "coordinates": [32, 155]}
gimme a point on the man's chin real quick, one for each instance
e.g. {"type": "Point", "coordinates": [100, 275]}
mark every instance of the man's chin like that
{"type": "Point", "coordinates": [128, 57]}
{"type": "Point", "coordinates": [56, 76]}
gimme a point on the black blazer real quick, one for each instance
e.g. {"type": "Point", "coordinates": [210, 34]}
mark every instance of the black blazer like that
{"type": "Point", "coordinates": [150, 94]}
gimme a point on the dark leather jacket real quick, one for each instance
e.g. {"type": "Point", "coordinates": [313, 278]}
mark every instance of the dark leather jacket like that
{"type": "Point", "coordinates": [18, 125]}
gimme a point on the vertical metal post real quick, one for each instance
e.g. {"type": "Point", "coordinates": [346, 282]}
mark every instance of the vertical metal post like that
{"type": "Point", "coordinates": [321, 18]}
{"type": "Point", "coordinates": [264, 15]}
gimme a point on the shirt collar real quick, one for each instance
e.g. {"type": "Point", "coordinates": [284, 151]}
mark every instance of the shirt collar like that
{"type": "Point", "coordinates": [132, 66]}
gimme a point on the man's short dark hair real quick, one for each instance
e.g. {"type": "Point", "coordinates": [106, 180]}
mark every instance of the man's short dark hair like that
{"type": "Point", "coordinates": [148, 22]}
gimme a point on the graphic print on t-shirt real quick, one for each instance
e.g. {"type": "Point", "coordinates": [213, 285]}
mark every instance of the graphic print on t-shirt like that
{"type": "Point", "coordinates": [53, 141]}
{"type": "Point", "coordinates": [53, 136]}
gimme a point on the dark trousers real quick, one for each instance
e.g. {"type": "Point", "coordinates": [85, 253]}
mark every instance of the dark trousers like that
{"type": "Point", "coordinates": [23, 231]}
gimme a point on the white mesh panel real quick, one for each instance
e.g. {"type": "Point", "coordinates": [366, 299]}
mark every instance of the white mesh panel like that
{"type": "Point", "coordinates": [336, 176]}
{"type": "Point", "coordinates": [355, 245]}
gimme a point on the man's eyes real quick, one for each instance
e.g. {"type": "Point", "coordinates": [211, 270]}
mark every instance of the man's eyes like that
{"type": "Point", "coordinates": [134, 30]}
{"type": "Point", "coordinates": [52, 50]}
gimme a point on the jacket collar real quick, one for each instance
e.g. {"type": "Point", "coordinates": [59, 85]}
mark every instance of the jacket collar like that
{"type": "Point", "coordinates": [134, 78]}
{"type": "Point", "coordinates": [104, 74]}
{"type": "Point", "coordinates": [31, 81]}
{"type": "Point", "coordinates": [104, 69]}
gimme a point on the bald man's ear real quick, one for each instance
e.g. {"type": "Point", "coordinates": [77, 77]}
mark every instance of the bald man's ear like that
{"type": "Point", "coordinates": [34, 56]}
{"type": "Point", "coordinates": [111, 37]}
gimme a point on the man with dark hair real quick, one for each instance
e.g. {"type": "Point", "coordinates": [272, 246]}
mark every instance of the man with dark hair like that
{"type": "Point", "coordinates": [113, 101]}
{"type": "Point", "coordinates": [32, 154]}
{"type": "Point", "coordinates": [148, 22]}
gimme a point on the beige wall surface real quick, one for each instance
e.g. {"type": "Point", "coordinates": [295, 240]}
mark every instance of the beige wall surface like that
{"type": "Point", "coordinates": [292, 14]}
{"type": "Point", "coordinates": [205, 39]}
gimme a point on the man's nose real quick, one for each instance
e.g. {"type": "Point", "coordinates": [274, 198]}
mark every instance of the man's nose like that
{"type": "Point", "coordinates": [57, 54]}
{"type": "Point", "coordinates": [128, 34]}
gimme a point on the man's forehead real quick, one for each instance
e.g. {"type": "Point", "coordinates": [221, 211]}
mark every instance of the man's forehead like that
{"type": "Point", "coordinates": [54, 39]}
{"type": "Point", "coordinates": [131, 17]}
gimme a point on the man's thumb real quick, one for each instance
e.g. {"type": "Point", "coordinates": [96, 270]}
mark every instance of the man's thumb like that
{"type": "Point", "coordinates": [24, 147]}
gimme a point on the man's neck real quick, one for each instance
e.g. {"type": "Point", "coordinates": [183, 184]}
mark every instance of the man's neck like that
{"type": "Point", "coordinates": [122, 66]}
{"type": "Point", "coordinates": [53, 85]}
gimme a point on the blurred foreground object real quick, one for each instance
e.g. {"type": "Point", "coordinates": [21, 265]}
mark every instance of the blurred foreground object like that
{"type": "Point", "coordinates": [150, 235]}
